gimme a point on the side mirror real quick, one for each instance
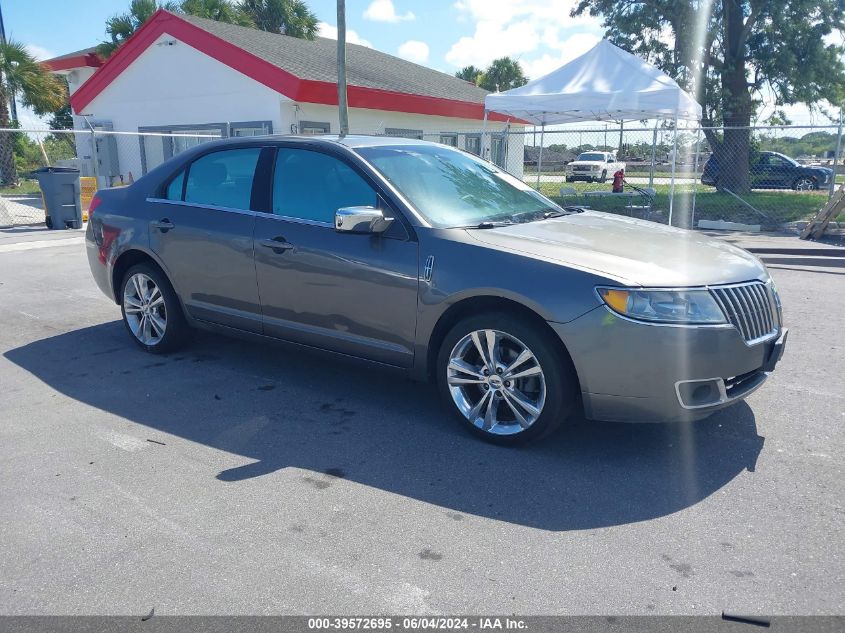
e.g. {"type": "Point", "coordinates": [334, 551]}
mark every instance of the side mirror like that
{"type": "Point", "coordinates": [361, 220]}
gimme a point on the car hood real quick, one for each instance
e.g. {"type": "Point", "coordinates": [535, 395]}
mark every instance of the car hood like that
{"type": "Point", "coordinates": [635, 252]}
{"type": "Point", "coordinates": [585, 163]}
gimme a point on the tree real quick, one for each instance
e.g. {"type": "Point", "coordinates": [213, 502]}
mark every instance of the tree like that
{"type": "Point", "coordinates": [742, 51]}
{"type": "Point", "coordinates": [470, 74]}
{"type": "Point", "coordinates": [219, 10]}
{"type": "Point", "coordinates": [62, 119]}
{"type": "Point", "coordinates": [290, 17]}
{"type": "Point", "coordinates": [503, 74]}
{"type": "Point", "coordinates": [22, 74]}
{"type": "Point", "coordinates": [121, 27]}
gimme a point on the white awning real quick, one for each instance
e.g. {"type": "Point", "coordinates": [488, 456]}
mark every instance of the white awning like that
{"type": "Point", "coordinates": [604, 84]}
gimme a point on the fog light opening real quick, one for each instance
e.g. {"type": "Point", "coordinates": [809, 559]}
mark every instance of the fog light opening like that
{"type": "Point", "coordinates": [694, 394]}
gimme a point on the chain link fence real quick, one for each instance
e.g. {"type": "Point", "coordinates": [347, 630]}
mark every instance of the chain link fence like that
{"type": "Point", "coordinates": [104, 159]}
{"type": "Point", "coordinates": [785, 176]}
{"type": "Point", "coordinates": [765, 176]}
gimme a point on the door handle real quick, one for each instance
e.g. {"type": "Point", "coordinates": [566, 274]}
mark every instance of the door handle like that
{"type": "Point", "coordinates": [278, 244]}
{"type": "Point", "coordinates": [163, 225]}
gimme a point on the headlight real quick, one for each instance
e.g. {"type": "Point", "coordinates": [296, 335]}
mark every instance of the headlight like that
{"type": "Point", "coordinates": [664, 306]}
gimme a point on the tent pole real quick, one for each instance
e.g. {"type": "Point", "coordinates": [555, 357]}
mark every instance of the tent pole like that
{"type": "Point", "coordinates": [540, 158]}
{"type": "Point", "coordinates": [653, 149]}
{"type": "Point", "coordinates": [695, 173]}
{"type": "Point", "coordinates": [674, 160]}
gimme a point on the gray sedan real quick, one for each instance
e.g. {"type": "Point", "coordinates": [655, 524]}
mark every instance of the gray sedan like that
{"type": "Point", "coordinates": [427, 259]}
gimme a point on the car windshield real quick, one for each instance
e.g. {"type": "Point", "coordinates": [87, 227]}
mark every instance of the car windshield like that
{"type": "Point", "coordinates": [591, 156]}
{"type": "Point", "coordinates": [451, 188]}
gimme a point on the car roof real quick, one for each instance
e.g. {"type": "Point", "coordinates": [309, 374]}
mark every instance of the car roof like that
{"type": "Point", "coordinates": [351, 141]}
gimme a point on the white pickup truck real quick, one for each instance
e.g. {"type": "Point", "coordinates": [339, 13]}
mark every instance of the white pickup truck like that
{"type": "Point", "coordinates": [593, 167]}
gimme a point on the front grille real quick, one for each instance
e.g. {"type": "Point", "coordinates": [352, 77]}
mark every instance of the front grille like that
{"type": "Point", "coordinates": [749, 308]}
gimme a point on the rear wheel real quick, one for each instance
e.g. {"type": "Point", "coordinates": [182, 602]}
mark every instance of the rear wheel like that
{"type": "Point", "coordinates": [505, 379]}
{"type": "Point", "coordinates": [805, 183]}
{"type": "Point", "coordinates": [151, 310]}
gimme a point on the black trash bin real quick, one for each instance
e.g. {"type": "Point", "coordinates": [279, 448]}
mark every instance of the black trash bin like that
{"type": "Point", "coordinates": [60, 192]}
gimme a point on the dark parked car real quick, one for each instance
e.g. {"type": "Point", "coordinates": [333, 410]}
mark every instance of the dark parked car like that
{"type": "Point", "coordinates": [771, 170]}
{"type": "Point", "coordinates": [428, 259]}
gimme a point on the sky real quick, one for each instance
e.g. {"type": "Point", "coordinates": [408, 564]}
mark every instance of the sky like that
{"type": "Point", "coordinates": [442, 34]}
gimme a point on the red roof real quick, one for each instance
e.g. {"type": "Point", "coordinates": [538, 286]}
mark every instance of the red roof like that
{"type": "Point", "coordinates": [197, 33]}
{"type": "Point", "coordinates": [77, 59]}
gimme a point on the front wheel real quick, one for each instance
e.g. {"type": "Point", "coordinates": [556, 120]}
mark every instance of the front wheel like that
{"type": "Point", "coordinates": [505, 379]}
{"type": "Point", "coordinates": [603, 176]}
{"type": "Point", "coordinates": [151, 310]}
{"type": "Point", "coordinates": [805, 183]}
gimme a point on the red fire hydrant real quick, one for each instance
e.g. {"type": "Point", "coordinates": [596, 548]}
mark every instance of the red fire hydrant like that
{"type": "Point", "coordinates": [618, 180]}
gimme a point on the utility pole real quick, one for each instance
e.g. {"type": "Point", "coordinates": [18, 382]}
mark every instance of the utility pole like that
{"type": "Point", "coordinates": [13, 106]}
{"type": "Point", "coordinates": [343, 107]}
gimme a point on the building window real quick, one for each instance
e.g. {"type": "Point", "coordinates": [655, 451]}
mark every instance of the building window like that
{"type": "Point", "coordinates": [251, 128]}
{"type": "Point", "coordinates": [498, 149]}
{"type": "Point", "coordinates": [449, 139]}
{"type": "Point", "coordinates": [403, 132]}
{"type": "Point", "coordinates": [314, 127]}
{"type": "Point", "coordinates": [157, 149]}
{"type": "Point", "coordinates": [472, 144]}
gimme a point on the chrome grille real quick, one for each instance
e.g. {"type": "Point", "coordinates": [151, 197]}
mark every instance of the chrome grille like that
{"type": "Point", "coordinates": [749, 308]}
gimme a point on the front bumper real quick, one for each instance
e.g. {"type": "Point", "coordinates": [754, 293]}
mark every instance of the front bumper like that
{"type": "Point", "coordinates": [637, 372]}
{"type": "Point", "coordinates": [583, 174]}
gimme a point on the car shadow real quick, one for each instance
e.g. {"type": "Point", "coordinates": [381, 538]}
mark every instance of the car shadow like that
{"type": "Point", "coordinates": [285, 407]}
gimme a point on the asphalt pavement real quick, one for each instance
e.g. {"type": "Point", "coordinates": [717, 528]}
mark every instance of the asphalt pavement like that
{"type": "Point", "coordinates": [239, 478]}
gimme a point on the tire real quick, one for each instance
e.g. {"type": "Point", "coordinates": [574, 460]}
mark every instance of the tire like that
{"type": "Point", "coordinates": [603, 177]}
{"type": "Point", "coordinates": [805, 183]}
{"type": "Point", "coordinates": [468, 392]}
{"type": "Point", "coordinates": [151, 310]}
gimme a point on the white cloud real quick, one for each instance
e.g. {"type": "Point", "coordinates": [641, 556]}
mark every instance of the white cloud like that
{"type": "Point", "coordinates": [415, 51]}
{"type": "Point", "coordinates": [529, 30]}
{"type": "Point", "coordinates": [39, 52]}
{"type": "Point", "coordinates": [324, 29]}
{"type": "Point", "coordinates": [384, 11]}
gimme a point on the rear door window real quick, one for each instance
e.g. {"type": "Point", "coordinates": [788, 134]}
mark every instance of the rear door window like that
{"type": "Point", "coordinates": [223, 179]}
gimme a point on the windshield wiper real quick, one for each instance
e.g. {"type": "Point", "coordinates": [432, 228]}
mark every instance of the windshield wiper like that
{"type": "Point", "coordinates": [490, 224]}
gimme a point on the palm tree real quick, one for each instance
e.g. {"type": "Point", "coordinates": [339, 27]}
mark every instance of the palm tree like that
{"type": "Point", "coordinates": [219, 10]}
{"type": "Point", "coordinates": [291, 17]}
{"type": "Point", "coordinates": [123, 26]}
{"type": "Point", "coordinates": [23, 75]}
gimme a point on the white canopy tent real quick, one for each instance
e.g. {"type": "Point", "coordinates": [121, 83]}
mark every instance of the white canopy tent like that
{"type": "Point", "coordinates": [604, 84]}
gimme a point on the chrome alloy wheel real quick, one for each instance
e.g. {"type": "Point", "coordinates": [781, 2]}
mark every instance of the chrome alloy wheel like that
{"type": "Point", "coordinates": [143, 305]}
{"type": "Point", "coordinates": [496, 382]}
{"type": "Point", "coordinates": [805, 183]}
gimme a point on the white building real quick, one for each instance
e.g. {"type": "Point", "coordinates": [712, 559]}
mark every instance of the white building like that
{"type": "Point", "coordinates": [183, 74]}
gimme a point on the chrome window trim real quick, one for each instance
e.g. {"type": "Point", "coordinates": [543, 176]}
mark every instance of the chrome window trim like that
{"type": "Point", "coordinates": [288, 218]}
{"type": "Point", "coordinates": [199, 205]}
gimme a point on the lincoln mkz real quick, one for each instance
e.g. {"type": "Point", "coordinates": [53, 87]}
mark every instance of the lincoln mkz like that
{"type": "Point", "coordinates": [428, 259]}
